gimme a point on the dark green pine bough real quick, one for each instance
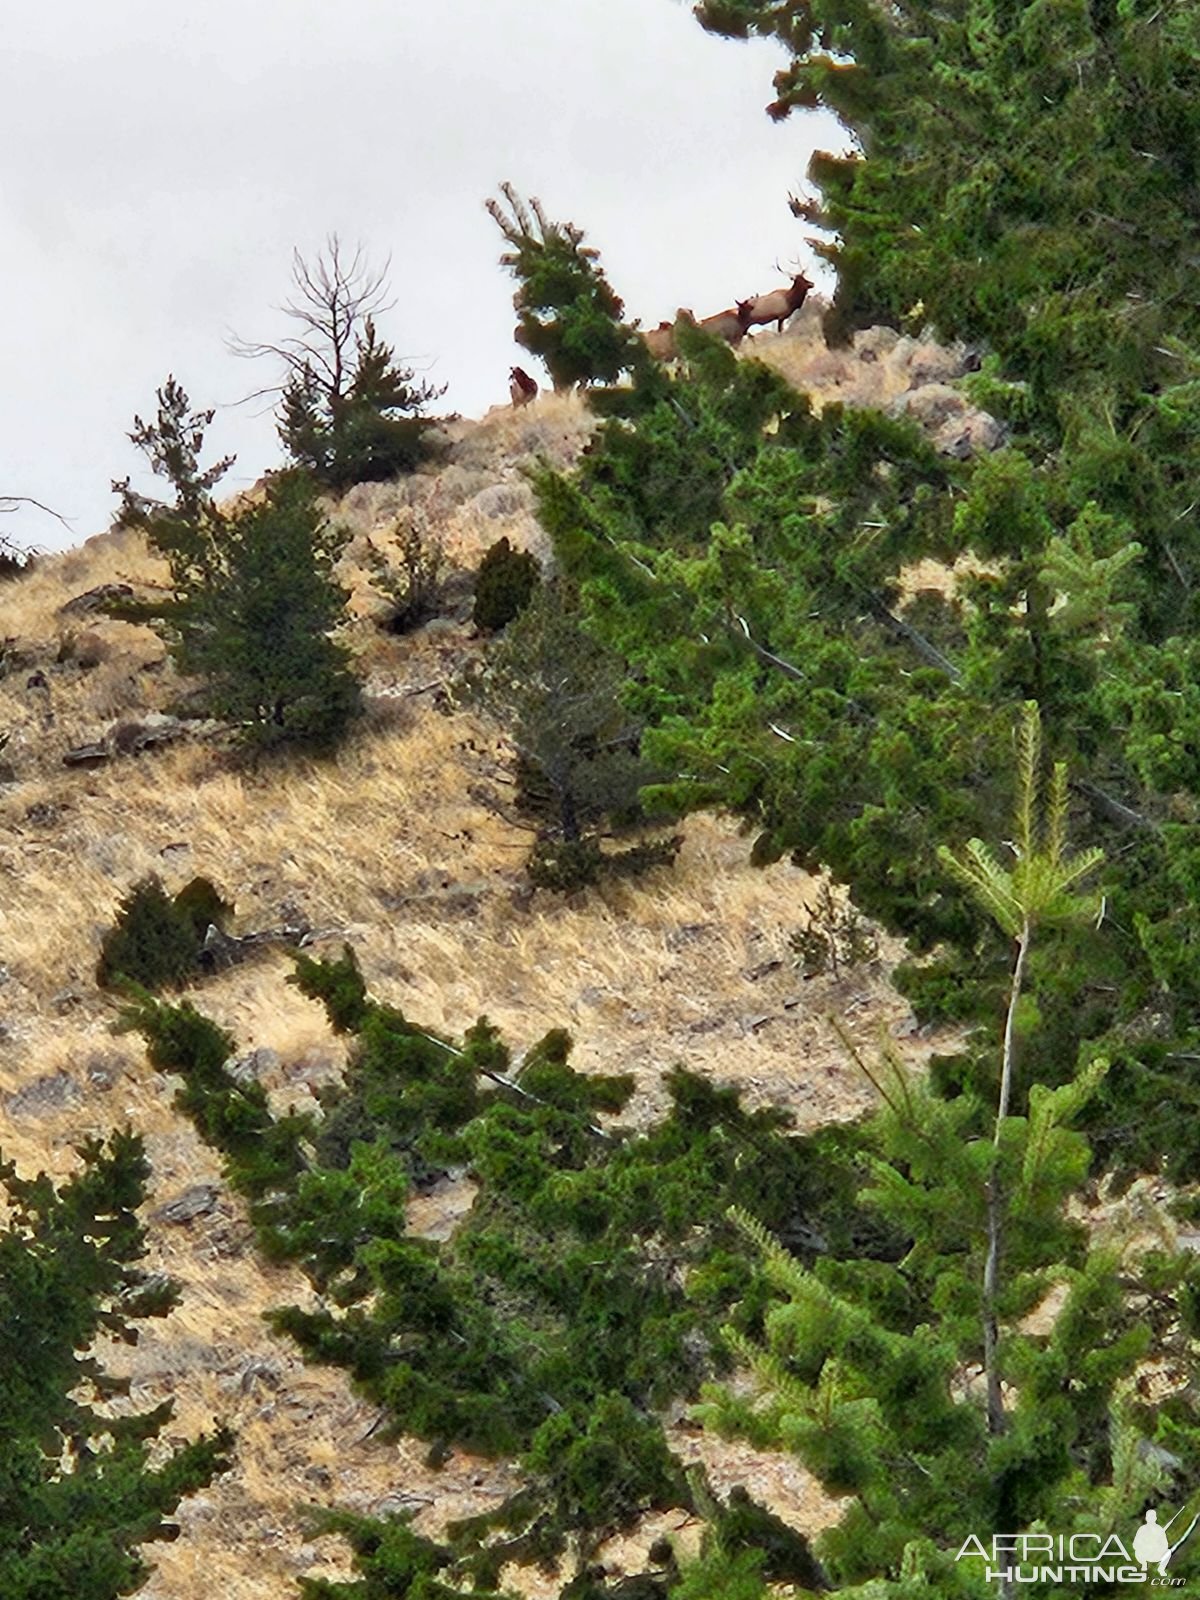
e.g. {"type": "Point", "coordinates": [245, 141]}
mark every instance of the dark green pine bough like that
{"type": "Point", "coordinates": [78, 1495]}
{"type": "Point", "coordinates": [578, 1299]}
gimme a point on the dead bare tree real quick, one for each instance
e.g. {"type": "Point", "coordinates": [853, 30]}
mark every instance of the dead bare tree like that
{"type": "Point", "coordinates": [334, 297]}
{"type": "Point", "coordinates": [348, 409]}
{"type": "Point", "coordinates": [15, 558]}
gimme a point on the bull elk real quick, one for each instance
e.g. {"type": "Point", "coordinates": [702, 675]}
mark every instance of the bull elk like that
{"type": "Point", "coordinates": [777, 306]}
{"type": "Point", "coordinates": [521, 386]}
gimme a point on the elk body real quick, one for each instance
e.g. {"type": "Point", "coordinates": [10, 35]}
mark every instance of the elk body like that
{"type": "Point", "coordinates": [729, 325]}
{"type": "Point", "coordinates": [660, 341]}
{"type": "Point", "coordinates": [777, 306]}
{"type": "Point", "coordinates": [521, 386]}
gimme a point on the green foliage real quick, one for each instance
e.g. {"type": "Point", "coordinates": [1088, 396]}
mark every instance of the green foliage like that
{"type": "Point", "coordinates": [263, 1154]}
{"type": "Point", "coordinates": [78, 1495]}
{"type": "Point", "coordinates": [372, 430]}
{"type": "Point", "coordinates": [349, 411]}
{"type": "Point", "coordinates": [568, 315]}
{"type": "Point", "coordinates": [155, 941]}
{"type": "Point", "coordinates": [833, 937]}
{"type": "Point", "coordinates": [201, 903]}
{"type": "Point", "coordinates": [1037, 888]}
{"type": "Point", "coordinates": [860, 1365]}
{"type": "Point", "coordinates": [255, 601]}
{"type": "Point", "coordinates": [579, 766]}
{"type": "Point", "coordinates": [578, 1295]}
{"type": "Point", "coordinates": [504, 585]}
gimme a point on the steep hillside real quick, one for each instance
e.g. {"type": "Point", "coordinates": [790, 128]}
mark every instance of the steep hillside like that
{"type": "Point", "coordinates": [398, 846]}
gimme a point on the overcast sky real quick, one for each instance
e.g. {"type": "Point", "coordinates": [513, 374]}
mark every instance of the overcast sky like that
{"type": "Point", "coordinates": [161, 161]}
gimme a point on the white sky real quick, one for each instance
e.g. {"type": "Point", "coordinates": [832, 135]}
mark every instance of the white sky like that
{"type": "Point", "coordinates": [161, 161]}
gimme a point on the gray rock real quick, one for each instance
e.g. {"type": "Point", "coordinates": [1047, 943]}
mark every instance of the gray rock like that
{"type": "Point", "coordinates": [197, 1201]}
{"type": "Point", "coordinates": [872, 343]}
{"type": "Point", "coordinates": [86, 755]}
{"type": "Point", "coordinates": [937, 363]}
{"type": "Point", "coordinates": [440, 628]}
{"type": "Point", "coordinates": [931, 405]}
{"type": "Point", "coordinates": [968, 435]}
{"type": "Point", "coordinates": [151, 732]}
{"type": "Point", "coordinates": [96, 599]}
{"type": "Point", "coordinates": [44, 1096]}
{"type": "Point", "coordinates": [251, 1068]}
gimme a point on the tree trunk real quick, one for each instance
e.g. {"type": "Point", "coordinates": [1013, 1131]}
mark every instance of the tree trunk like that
{"type": "Point", "coordinates": [995, 1200]}
{"type": "Point", "coordinates": [996, 1418]}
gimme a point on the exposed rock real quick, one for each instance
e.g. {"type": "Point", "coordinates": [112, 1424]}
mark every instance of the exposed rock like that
{"type": "Point", "coordinates": [197, 1201]}
{"type": "Point", "coordinates": [86, 755]}
{"type": "Point", "coordinates": [873, 343]}
{"type": "Point", "coordinates": [66, 1000]}
{"type": "Point", "coordinates": [86, 650]}
{"type": "Point", "coordinates": [440, 628]}
{"type": "Point", "coordinates": [104, 1069]}
{"type": "Point", "coordinates": [936, 363]}
{"type": "Point", "coordinates": [223, 950]}
{"type": "Point", "coordinates": [931, 405]}
{"type": "Point", "coordinates": [967, 435]}
{"type": "Point", "coordinates": [43, 814]}
{"type": "Point", "coordinates": [43, 1096]}
{"type": "Point", "coordinates": [255, 1065]}
{"type": "Point", "coordinates": [96, 599]}
{"type": "Point", "coordinates": [152, 731]}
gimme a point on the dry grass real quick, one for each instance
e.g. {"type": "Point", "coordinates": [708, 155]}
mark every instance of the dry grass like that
{"type": "Point", "coordinates": [384, 848]}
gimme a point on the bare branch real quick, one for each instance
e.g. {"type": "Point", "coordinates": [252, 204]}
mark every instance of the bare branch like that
{"type": "Point", "coordinates": [13, 502]}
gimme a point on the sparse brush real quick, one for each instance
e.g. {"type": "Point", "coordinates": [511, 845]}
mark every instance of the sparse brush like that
{"type": "Point", "coordinates": [409, 571]}
{"type": "Point", "coordinates": [834, 937]}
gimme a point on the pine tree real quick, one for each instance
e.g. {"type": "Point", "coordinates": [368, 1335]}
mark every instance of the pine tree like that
{"type": "Point", "coordinates": [255, 600]}
{"type": "Point", "coordinates": [578, 766]}
{"type": "Point", "coordinates": [260, 631]}
{"type": "Point", "coordinates": [153, 943]}
{"type": "Point", "coordinates": [568, 314]}
{"type": "Point", "coordinates": [78, 1495]}
{"type": "Point", "coordinates": [865, 1366]}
